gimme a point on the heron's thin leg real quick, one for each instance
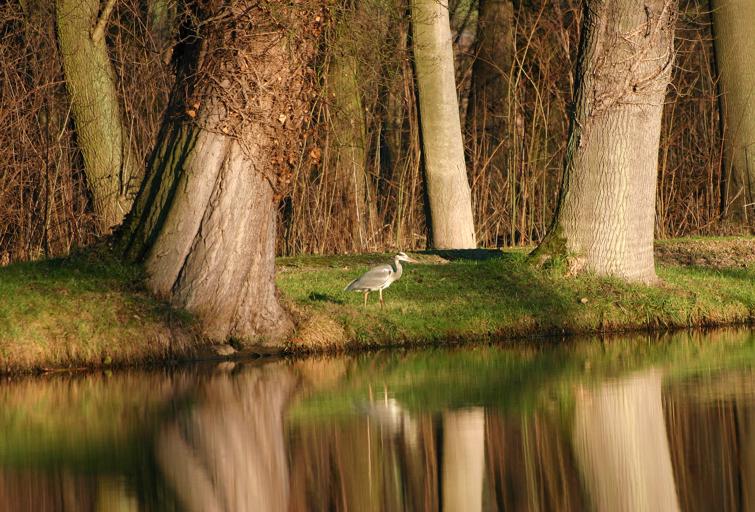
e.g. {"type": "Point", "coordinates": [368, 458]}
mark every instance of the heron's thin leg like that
{"type": "Point", "coordinates": [381, 298]}
{"type": "Point", "coordinates": [365, 298]}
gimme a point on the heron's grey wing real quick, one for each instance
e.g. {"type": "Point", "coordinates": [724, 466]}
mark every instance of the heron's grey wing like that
{"type": "Point", "coordinates": [372, 279]}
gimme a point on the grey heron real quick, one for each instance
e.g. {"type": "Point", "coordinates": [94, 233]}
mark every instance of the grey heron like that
{"type": "Point", "coordinates": [379, 278]}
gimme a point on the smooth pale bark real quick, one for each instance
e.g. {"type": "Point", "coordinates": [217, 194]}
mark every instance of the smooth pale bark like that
{"type": "Point", "coordinates": [463, 460]}
{"type": "Point", "coordinates": [349, 129]}
{"type": "Point", "coordinates": [110, 163]}
{"type": "Point", "coordinates": [621, 446]}
{"type": "Point", "coordinates": [204, 220]}
{"type": "Point", "coordinates": [452, 224]}
{"type": "Point", "coordinates": [606, 213]}
{"type": "Point", "coordinates": [229, 453]}
{"type": "Point", "coordinates": [488, 118]}
{"type": "Point", "coordinates": [733, 22]}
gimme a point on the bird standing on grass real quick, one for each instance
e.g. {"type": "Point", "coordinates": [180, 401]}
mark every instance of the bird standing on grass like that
{"type": "Point", "coordinates": [379, 278]}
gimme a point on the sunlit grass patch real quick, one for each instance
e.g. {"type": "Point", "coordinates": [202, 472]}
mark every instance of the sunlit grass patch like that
{"type": "Point", "coordinates": [83, 311]}
{"type": "Point", "coordinates": [502, 295]}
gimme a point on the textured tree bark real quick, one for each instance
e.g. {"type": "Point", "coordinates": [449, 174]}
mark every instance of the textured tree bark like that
{"type": "Point", "coordinates": [606, 212]}
{"type": "Point", "coordinates": [452, 224]}
{"type": "Point", "coordinates": [735, 47]}
{"type": "Point", "coordinates": [109, 160]}
{"type": "Point", "coordinates": [204, 220]}
{"type": "Point", "coordinates": [489, 116]}
{"type": "Point", "coordinates": [621, 446]}
{"type": "Point", "coordinates": [348, 126]}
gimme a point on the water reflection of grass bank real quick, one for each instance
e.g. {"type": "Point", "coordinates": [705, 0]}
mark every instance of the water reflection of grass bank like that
{"type": "Point", "coordinates": [93, 311]}
{"type": "Point", "coordinates": [518, 378]}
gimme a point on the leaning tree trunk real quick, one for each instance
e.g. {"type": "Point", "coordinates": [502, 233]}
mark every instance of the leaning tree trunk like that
{"type": "Point", "coordinates": [733, 21]}
{"type": "Point", "coordinates": [445, 170]}
{"type": "Point", "coordinates": [110, 163]}
{"type": "Point", "coordinates": [606, 212]}
{"type": "Point", "coordinates": [204, 220]}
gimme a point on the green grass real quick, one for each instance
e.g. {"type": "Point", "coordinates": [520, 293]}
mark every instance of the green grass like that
{"type": "Point", "coordinates": [91, 310]}
{"type": "Point", "coordinates": [87, 310]}
{"type": "Point", "coordinates": [505, 297]}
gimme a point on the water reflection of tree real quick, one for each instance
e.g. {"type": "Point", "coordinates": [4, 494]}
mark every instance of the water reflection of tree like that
{"type": "Point", "coordinates": [457, 460]}
{"type": "Point", "coordinates": [711, 428]}
{"type": "Point", "coordinates": [364, 464]}
{"type": "Point", "coordinates": [621, 445]}
{"type": "Point", "coordinates": [229, 452]}
{"type": "Point", "coordinates": [530, 465]}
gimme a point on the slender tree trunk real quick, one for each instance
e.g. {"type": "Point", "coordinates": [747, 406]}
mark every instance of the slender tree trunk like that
{"type": "Point", "coordinates": [204, 220]}
{"type": "Point", "coordinates": [463, 460]}
{"type": "Point", "coordinates": [621, 446]}
{"type": "Point", "coordinates": [162, 16]}
{"type": "Point", "coordinates": [109, 160]}
{"type": "Point", "coordinates": [452, 224]}
{"type": "Point", "coordinates": [489, 116]}
{"type": "Point", "coordinates": [606, 211]}
{"type": "Point", "coordinates": [349, 126]}
{"type": "Point", "coordinates": [733, 22]}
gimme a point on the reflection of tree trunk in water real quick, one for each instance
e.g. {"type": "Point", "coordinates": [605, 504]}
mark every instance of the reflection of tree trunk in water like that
{"type": "Point", "coordinates": [229, 453]}
{"type": "Point", "coordinates": [529, 464]}
{"type": "Point", "coordinates": [463, 459]}
{"type": "Point", "coordinates": [746, 436]}
{"type": "Point", "coordinates": [621, 445]}
{"type": "Point", "coordinates": [59, 491]}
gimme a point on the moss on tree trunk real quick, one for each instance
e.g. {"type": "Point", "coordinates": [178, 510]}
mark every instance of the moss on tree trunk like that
{"type": "Point", "coordinates": [605, 217]}
{"type": "Point", "coordinates": [109, 160]}
{"type": "Point", "coordinates": [204, 220]}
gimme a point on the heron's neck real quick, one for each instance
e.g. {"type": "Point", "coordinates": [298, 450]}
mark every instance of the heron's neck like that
{"type": "Point", "coordinates": [399, 268]}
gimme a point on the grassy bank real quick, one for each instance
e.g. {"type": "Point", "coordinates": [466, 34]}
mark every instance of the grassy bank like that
{"type": "Point", "coordinates": [480, 294]}
{"type": "Point", "coordinates": [92, 310]}
{"type": "Point", "coordinates": [86, 310]}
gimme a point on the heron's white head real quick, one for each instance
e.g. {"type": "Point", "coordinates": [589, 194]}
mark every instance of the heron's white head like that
{"type": "Point", "coordinates": [403, 257]}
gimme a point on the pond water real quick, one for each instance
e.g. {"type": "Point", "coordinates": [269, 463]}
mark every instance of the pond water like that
{"type": "Point", "coordinates": [637, 423]}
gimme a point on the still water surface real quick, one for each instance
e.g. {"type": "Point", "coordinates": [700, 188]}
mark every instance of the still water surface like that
{"type": "Point", "coordinates": [626, 424]}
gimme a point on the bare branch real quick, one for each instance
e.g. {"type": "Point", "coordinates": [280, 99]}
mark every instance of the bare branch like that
{"type": "Point", "coordinates": [98, 31]}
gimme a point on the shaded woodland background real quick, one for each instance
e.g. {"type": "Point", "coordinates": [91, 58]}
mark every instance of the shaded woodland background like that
{"type": "Point", "coordinates": [45, 207]}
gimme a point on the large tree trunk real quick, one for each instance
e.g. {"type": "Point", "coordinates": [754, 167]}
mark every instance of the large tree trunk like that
{"type": "Point", "coordinates": [606, 212]}
{"type": "Point", "coordinates": [445, 169]}
{"type": "Point", "coordinates": [204, 221]}
{"type": "Point", "coordinates": [733, 22]}
{"type": "Point", "coordinates": [109, 160]}
{"type": "Point", "coordinates": [622, 448]}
